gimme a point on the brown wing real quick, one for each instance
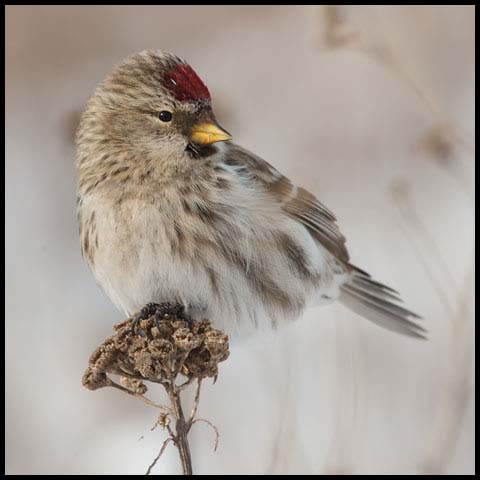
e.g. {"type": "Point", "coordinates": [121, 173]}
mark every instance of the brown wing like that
{"type": "Point", "coordinates": [296, 201]}
{"type": "Point", "coordinates": [370, 299]}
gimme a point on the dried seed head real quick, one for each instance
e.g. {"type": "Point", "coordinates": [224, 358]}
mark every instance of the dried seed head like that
{"type": "Point", "coordinates": [163, 420]}
{"type": "Point", "coordinates": [216, 343]}
{"type": "Point", "coordinates": [93, 380]}
{"type": "Point", "coordinates": [160, 348]}
{"type": "Point", "coordinates": [156, 350]}
{"type": "Point", "coordinates": [185, 340]}
{"type": "Point", "coordinates": [176, 324]}
{"type": "Point", "coordinates": [134, 385]}
{"type": "Point", "coordinates": [144, 364]}
{"type": "Point", "coordinates": [201, 364]}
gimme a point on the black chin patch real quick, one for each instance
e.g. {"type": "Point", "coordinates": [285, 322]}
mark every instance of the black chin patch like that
{"type": "Point", "coordinates": [200, 151]}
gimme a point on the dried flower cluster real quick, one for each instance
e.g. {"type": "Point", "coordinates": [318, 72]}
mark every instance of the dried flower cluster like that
{"type": "Point", "coordinates": [158, 349]}
{"type": "Point", "coordinates": [157, 352]}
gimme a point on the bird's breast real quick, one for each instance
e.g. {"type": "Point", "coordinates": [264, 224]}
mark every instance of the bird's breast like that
{"type": "Point", "coordinates": [240, 265]}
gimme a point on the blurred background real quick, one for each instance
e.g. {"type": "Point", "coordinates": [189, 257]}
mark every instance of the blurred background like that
{"type": "Point", "coordinates": [369, 107]}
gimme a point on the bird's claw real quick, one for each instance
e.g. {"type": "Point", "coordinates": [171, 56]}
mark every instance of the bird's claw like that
{"type": "Point", "coordinates": [160, 312]}
{"type": "Point", "coordinates": [146, 312]}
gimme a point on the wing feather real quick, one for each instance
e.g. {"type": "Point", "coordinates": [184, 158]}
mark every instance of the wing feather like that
{"type": "Point", "coordinates": [296, 202]}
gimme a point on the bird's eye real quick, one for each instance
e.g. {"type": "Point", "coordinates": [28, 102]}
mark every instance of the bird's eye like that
{"type": "Point", "coordinates": [165, 116]}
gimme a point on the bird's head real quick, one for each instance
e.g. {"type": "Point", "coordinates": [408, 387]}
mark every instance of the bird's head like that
{"type": "Point", "coordinates": [152, 104]}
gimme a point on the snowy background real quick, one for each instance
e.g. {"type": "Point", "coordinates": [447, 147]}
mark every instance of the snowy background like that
{"type": "Point", "coordinates": [370, 108]}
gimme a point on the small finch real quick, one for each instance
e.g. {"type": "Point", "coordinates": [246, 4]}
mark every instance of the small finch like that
{"type": "Point", "coordinates": [171, 210]}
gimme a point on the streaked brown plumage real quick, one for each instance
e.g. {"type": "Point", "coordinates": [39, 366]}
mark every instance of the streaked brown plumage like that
{"type": "Point", "coordinates": [171, 210]}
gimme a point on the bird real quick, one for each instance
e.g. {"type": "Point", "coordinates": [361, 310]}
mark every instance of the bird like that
{"type": "Point", "coordinates": [172, 211]}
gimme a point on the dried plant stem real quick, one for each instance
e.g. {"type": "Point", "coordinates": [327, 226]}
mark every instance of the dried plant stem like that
{"type": "Point", "coordinates": [182, 426]}
{"type": "Point", "coordinates": [212, 426]}
{"type": "Point", "coordinates": [181, 430]}
{"type": "Point", "coordinates": [157, 458]}
{"type": "Point", "coordinates": [195, 402]}
{"type": "Point", "coordinates": [111, 383]}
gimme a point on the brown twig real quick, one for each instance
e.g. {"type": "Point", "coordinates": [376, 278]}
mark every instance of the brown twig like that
{"type": "Point", "coordinates": [181, 431]}
{"type": "Point", "coordinates": [214, 428]}
{"type": "Point", "coordinates": [144, 399]}
{"type": "Point", "coordinates": [195, 402]}
{"type": "Point", "coordinates": [164, 446]}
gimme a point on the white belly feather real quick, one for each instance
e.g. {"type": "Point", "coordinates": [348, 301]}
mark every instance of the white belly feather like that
{"type": "Point", "coordinates": [135, 264]}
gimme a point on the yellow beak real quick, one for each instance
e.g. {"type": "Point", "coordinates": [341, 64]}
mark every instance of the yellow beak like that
{"type": "Point", "coordinates": [206, 133]}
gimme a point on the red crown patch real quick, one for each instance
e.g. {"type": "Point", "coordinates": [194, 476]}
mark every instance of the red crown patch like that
{"type": "Point", "coordinates": [185, 84]}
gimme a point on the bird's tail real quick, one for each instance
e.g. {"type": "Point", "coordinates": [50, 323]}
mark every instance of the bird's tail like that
{"type": "Point", "coordinates": [379, 304]}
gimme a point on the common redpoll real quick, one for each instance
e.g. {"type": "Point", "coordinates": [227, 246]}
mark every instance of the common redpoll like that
{"type": "Point", "coordinates": [171, 210]}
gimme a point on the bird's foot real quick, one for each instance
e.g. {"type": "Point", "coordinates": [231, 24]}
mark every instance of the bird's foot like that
{"type": "Point", "coordinates": [146, 312]}
{"type": "Point", "coordinates": [161, 312]}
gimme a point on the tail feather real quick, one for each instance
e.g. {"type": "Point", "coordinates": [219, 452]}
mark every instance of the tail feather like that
{"type": "Point", "coordinates": [375, 301]}
{"type": "Point", "coordinates": [363, 280]}
{"type": "Point", "coordinates": [374, 289]}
